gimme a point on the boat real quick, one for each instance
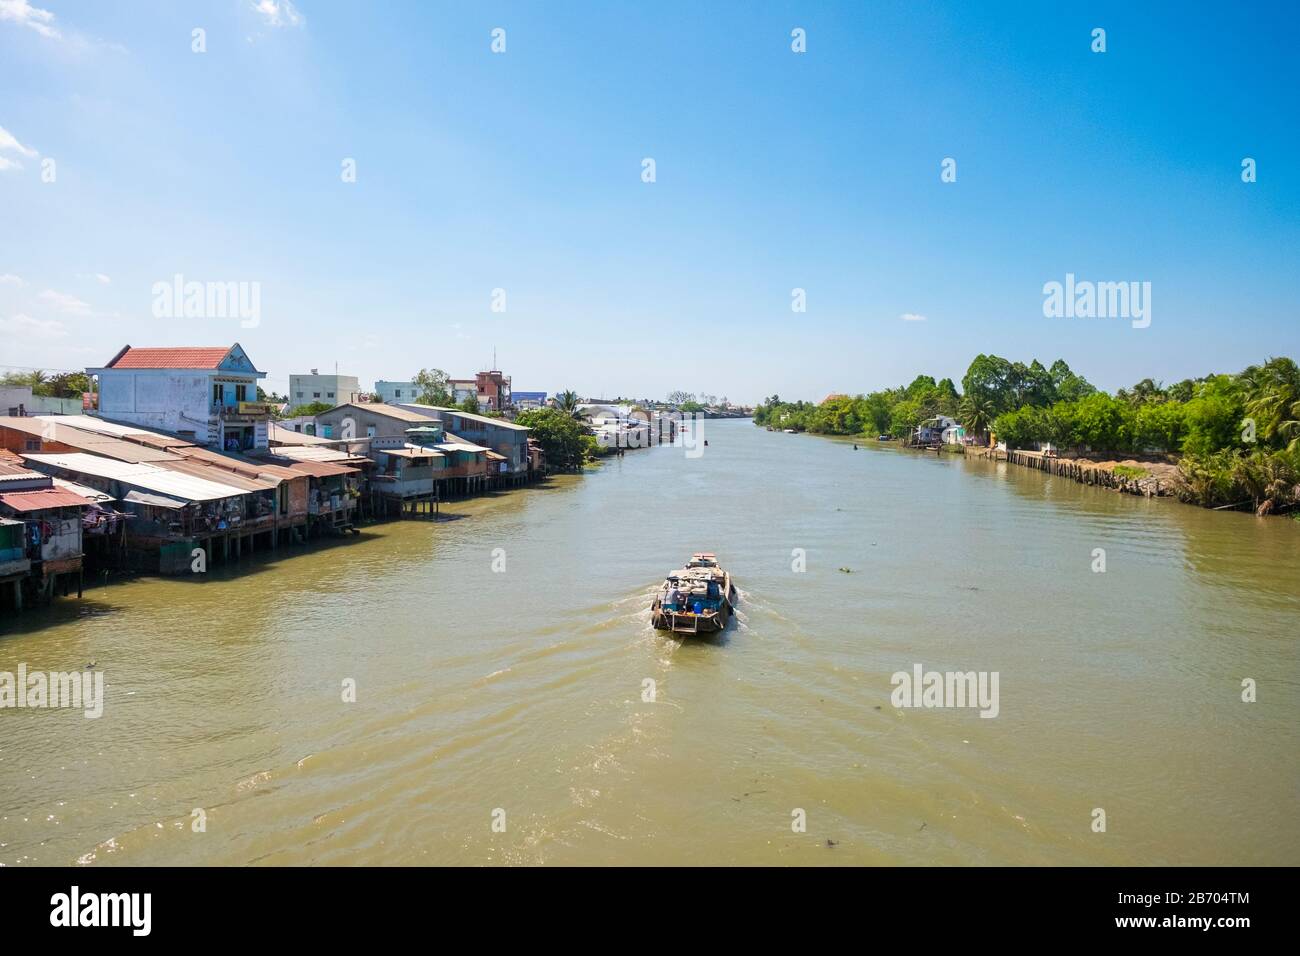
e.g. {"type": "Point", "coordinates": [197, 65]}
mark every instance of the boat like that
{"type": "Point", "coordinates": [696, 599]}
{"type": "Point", "coordinates": [789, 431]}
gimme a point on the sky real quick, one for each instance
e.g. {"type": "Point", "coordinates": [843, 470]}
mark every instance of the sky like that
{"type": "Point", "coordinates": [518, 179]}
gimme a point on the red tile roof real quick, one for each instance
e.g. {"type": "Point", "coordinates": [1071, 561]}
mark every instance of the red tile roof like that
{"type": "Point", "coordinates": [40, 500]}
{"type": "Point", "coordinates": [186, 357]}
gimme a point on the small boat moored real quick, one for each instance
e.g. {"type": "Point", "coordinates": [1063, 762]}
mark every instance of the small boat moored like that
{"type": "Point", "coordinates": [697, 599]}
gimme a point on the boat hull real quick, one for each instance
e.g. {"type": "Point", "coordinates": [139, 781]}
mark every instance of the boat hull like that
{"type": "Point", "coordinates": [690, 624]}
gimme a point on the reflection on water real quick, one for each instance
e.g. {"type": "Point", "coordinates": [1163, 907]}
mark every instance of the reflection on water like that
{"type": "Point", "coordinates": [522, 691]}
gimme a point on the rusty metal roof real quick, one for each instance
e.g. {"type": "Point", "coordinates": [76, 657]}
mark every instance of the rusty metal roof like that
{"type": "Point", "coordinates": [322, 469]}
{"type": "Point", "coordinates": [43, 498]}
{"type": "Point", "coordinates": [52, 430]}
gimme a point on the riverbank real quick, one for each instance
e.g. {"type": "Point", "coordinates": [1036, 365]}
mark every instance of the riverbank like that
{"type": "Point", "coordinates": [464, 704]}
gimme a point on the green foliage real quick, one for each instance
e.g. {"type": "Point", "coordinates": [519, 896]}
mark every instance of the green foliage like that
{"type": "Point", "coordinates": [434, 387]}
{"type": "Point", "coordinates": [311, 408]}
{"type": "Point", "coordinates": [62, 385]}
{"type": "Point", "coordinates": [565, 442]}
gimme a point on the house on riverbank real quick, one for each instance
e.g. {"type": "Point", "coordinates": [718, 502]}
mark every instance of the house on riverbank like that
{"type": "Point", "coordinates": [41, 535]}
{"type": "Point", "coordinates": [206, 395]}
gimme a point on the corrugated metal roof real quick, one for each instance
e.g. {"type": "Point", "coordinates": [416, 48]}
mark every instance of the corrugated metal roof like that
{"type": "Point", "coordinates": [287, 436]}
{"type": "Point", "coordinates": [389, 411]}
{"type": "Point", "coordinates": [42, 499]}
{"type": "Point", "coordinates": [471, 416]}
{"type": "Point", "coordinates": [94, 494]}
{"type": "Point", "coordinates": [413, 452]}
{"type": "Point", "coordinates": [52, 429]}
{"type": "Point", "coordinates": [184, 357]}
{"type": "Point", "coordinates": [10, 472]}
{"type": "Point", "coordinates": [156, 501]}
{"type": "Point", "coordinates": [92, 424]}
{"type": "Point", "coordinates": [322, 469]}
{"type": "Point", "coordinates": [146, 476]}
{"type": "Point", "coordinates": [314, 453]}
{"type": "Point", "coordinates": [201, 470]}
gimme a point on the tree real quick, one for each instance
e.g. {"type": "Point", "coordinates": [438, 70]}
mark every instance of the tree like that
{"type": "Point", "coordinates": [560, 436]}
{"type": "Point", "coordinates": [309, 409]}
{"type": "Point", "coordinates": [680, 398]}
{"type": "Point", "coordinates": [976, 414]}
{"type": "Point", "coordinates": [470, 404]}
{"type": "Point", "coordinates": [433, 386]}
{"type": "Point", "coordinates": [567, 402]}
{"type": "Point", "coordinates": [1272, 395]}
{"type": "Point", "coordinates": [1214, 416]}
{"type": "Point", "coordinates": [990, 378]}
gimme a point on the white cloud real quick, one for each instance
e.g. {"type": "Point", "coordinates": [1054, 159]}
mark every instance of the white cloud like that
{"type": "Point", "coordinates": [21, 11]}
{"type": "Point", "coordinates": [912, 317]}
{"type": "Point", "coordinates": [276, 13]}
{"type": "Point", "coordinates": [10, 279]}
{"type": "Point", "coordinates": [64, 302]}
{"type": "Point", "coordinates": [25, 325]}
{"type": "Point", "coordinates": [9, 143]}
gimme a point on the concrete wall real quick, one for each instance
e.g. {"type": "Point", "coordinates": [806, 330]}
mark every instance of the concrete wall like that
{"type": "Point", "coordinates": [335, 389]}
{"type": "Point", "coordinates": [387, 391]}
{"type": "Point", "coordinates": [172, 400]}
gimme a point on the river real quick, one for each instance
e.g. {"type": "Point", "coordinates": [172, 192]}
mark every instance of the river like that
{"type": "Point", "coordinates": [514, 696]}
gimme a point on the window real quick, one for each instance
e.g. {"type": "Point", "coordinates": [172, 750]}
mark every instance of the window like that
{"type": "Point", "coordinates": [315, 394]}
{"type": "Point", "coordinates": [397, 393]}
{"type": "Point", "coordinates": [33, 444]}
{"type": "Point", "coordinates": [329, 394]}
{"type": "Point", "coordinates": [216, 393]}
{"type": "Point", "coordinates": [370, 431]}
{"type": "Point", "coordinates": [329, 431]}
{"type": "Point", "coordinates": [300, 394]}
{"type": "Point", "coordinates": [241, 393]}
{"type": "Point", "coordinates": [13, 413]}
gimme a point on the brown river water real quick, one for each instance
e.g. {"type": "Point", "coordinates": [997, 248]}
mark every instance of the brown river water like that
{"type": "Point", "coordinates": [517, 695]}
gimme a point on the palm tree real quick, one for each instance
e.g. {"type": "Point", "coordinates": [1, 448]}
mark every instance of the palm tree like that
{"type": "Point", "coordinates": [976, 414]}
{"type": "Point", "coordinates": [567, 402]}
{"type": "Point", "coordinates": [1273, 399]}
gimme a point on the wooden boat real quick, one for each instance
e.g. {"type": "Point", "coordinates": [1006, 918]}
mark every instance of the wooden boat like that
{"type": "Point", "coordinates": [696, 599]}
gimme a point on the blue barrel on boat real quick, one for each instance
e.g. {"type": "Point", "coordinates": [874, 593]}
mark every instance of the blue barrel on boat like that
{"type": "Point", "coordinates": [697, 607]}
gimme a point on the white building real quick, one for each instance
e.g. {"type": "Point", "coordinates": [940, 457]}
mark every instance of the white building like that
{"type": "Point", "coordinates": [208, 395]}
{"type": "Point", "coordinates": [390, 392]}
{"type": "Point", "coordinates": [334, 389]}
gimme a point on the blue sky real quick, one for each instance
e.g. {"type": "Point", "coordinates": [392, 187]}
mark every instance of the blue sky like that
{"type": "Point", "coordinates": [774, 170]}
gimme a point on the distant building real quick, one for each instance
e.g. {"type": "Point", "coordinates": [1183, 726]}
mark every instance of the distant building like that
{"type": "Point", "coordinates": [18, 400]}
{"type": "Point", "coordinates": [508, 440]}
{"type": "Point", "coordinates": [493, 391]}
{"type": "Point", "coordinates": [207, 395]}
{"type": "Point", "coordinates": [461, 389]}
{"type": "Point", "coordinates": [527, 400]}
{"type": "Point", "coordinates": [333, 389]}
{"type": "Point", "coordinates": [390, 392]}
